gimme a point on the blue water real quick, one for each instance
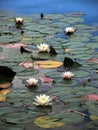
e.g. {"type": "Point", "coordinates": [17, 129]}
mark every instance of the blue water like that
{"type": "Point", "coordinates": [89, 7]}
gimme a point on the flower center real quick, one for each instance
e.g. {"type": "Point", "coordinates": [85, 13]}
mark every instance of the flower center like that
{"type": "Point", "coordinates": [43, 98]}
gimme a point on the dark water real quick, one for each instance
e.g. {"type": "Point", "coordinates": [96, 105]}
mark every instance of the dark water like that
{"type": "Point", "coordinates": [89, 7]}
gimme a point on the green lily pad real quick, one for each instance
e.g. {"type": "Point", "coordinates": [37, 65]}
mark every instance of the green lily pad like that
{"type": "Point", "coordinates": [84, 90]}
{"type": "Point", "coordinates": [32, 34]}
{"type": "Point", "coordinates": [60, 91]}
{"type": "Point", "coordinates": [54, 16]}
{"type": "Point", "coordinates": [1, 49]}
{"type": "Point", "coordinates": [95, 38]}
{"type": "Point", "coordinates": [28, 72]}
{"type": "Point", "coordinates": [18, 69]}
{"type": "Point", "coordinates": [81, 73]}
{"type": "Point", "coordinates": [27, 40]}
{"type": "Point", "coordinates": [68, 117]}
{"type": "Point", "coordinates": [47, 122]}
{"type": "Point", "coordinates": [72, 20]}
{"type": "Point", "coordinates": [17, 118]}
{"type": "Point", "coordinates": [92, 45]}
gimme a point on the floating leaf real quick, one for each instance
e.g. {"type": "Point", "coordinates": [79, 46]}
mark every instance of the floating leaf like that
{"type": "Point", "coordinates": [91, 97]}
{"type": "Point", "coordinates": [28, 72]}
{"type": "Point", "coordinates": [5, 91]}
{"type": "Point", "coordinates": [49, 64]}
{"type": "Point", "coordinates": [46, 79]}
{"type": "Point", "coordinates": [5, 85]}
{"type": "Point", "coordinates": [68, 117]}
{"type": "Point", "coordinates": [27, 64]}
{"type": "Point", "coordinates": [2, 98]}
{"type": "Point", "coordinates": [16, 45]}
{"type": "Point", "coordinates": [81, 73]}
{"type": "Point", "coordinates": [92, 117]}
{"type": "Point", "coordinates": [48, 122]}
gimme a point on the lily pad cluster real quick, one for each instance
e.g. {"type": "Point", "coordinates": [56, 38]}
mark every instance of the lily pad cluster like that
{"type": "Point", "coordinates": [76, 98]}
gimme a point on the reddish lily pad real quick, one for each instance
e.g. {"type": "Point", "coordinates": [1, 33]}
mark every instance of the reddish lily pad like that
{"type": "Point", "coordinates": [46, 79]}
{"type": "Point", "coordinates": [91, 97]}
{"type": "Point", "coordinates": [5, 85]}
{"type": "Point", "coordinates": [15, 46]}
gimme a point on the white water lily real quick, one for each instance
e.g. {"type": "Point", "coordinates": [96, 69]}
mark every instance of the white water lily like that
{"type": "Point", "coordinates": [69, 30]}
{"type": "Point", "coordinates": [32, 81]}
{"type": "Point", "coordinates": [67, 75]}
{"type": "Point", "coordinates": [19, 20]}
{"type": "Point", "coordinates": [43, 100]}
{"type": "Point", "coordinates": [43, 47]}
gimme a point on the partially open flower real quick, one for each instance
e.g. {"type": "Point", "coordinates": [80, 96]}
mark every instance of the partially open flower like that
{"type": "Point", "coordinates": [43, 47]}
{"type": "Point", "coordinates": [43, 100]}
{"type": "Point", "coordinates": [19, 21]}
{"type": "Point", "coordinates": [32, 82]}
{"type": "Point", "coordinates": [69, 30]}
{"type": "Point", "coordinates": [67, 75]}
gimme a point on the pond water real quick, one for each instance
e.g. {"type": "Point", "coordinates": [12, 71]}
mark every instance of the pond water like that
{"type": "Point", "coordinates": [89, 7]}
{"type": "Point", "coordinates": [75, 100]}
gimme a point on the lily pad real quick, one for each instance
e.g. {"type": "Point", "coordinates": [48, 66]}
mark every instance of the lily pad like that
{"type": "Point", "coordinates": [48, 122]}
{"type": "Point", "coordinates": [49, 64]}
{"type": "Point", "coordinates": [5, 84]}
{"type": "Point", "coordinates": [67, 118]}
{"type": "Point", "coordinates": [28, 72]}
{"type": "Point", "coordinates": [17, 118]}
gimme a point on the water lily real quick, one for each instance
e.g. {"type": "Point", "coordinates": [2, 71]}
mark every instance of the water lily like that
{"type": "Point", "coordinates": [32, 81]}
{"type": "Point", "coordinates": [19, 20]}
{"type": "Point", "coordinates": [43, 100]}
{"type": "Point", "coordinates": [69, 30]}
{"type": "Point", "coordinates": [67, 75]}
{"type": "Point", "coordinates": [43, 47]}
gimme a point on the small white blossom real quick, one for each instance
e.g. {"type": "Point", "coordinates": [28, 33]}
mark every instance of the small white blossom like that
{"type": "Point", "coordinates": [32, 81]}
{"type": "Point", "coordinates": [43, 100]}
{"type": "Point", "coordinates": [19, 20]}
{"type": "Point", "coordinates": [43, 47]}
{"type": "Point", "coordinates": [67, 75]}
{"type": "Point", "coordinates": [69, 30]}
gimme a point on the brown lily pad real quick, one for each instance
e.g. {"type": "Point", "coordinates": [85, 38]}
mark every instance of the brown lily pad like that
{"type": "Point", "coordinates": [5, 85]}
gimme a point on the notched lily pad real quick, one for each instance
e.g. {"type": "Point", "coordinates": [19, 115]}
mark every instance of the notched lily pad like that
{"type": "Point", "coordinates": [48, 122]}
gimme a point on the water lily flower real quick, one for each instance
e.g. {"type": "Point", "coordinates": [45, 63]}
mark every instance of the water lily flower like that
{"type": "Point", "coordinates": [32, 81]}
{"type": "Point", "coordinates": [43, 100]}
{"type": "Point", "coordinates": [67, 75]}
{"type": "Point", "coordinates": [19, 20]}
{"type": "Point", "coordinates": [69, 30]}
{"type": "Point", "coordinates": [43, 47]}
